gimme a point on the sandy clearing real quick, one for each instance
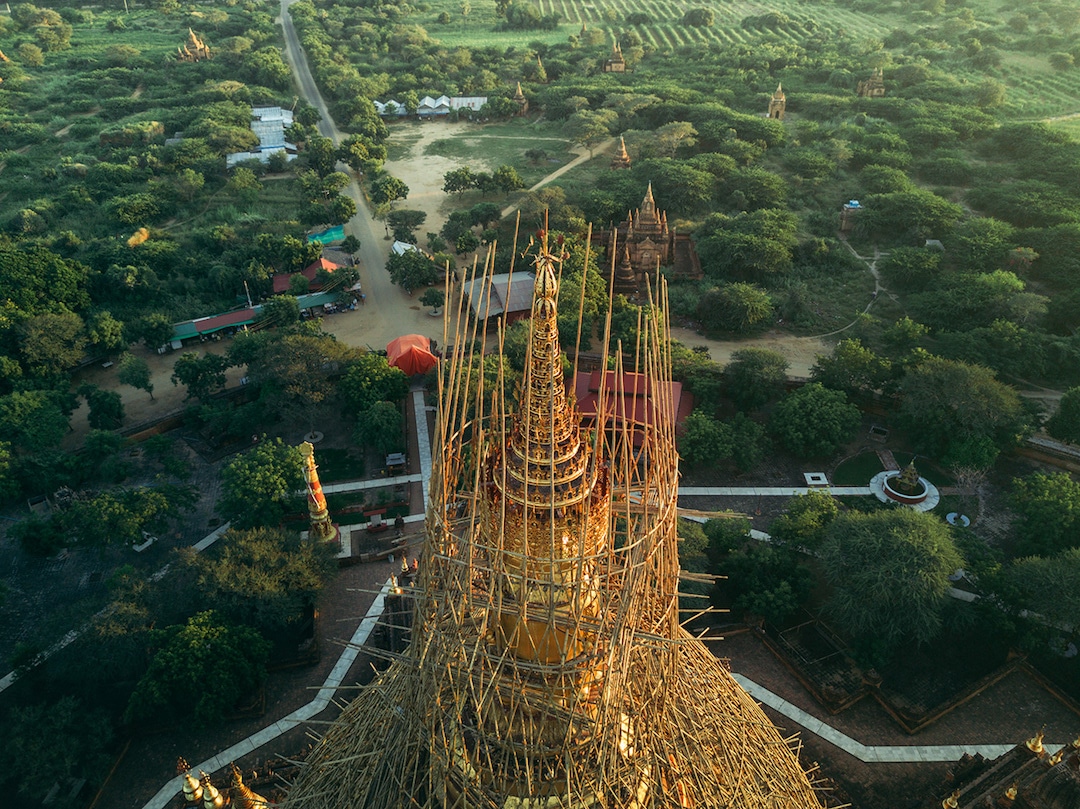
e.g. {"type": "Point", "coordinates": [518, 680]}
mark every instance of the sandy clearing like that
{"type": "Point", "coordinates": [423, 173]}
{"type": "Point", "coordinates": [801, 352]}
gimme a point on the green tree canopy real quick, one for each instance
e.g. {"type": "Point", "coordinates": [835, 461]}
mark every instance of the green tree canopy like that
{"type": "Point", "coordinates": [959, 413]}
{"type": "Point", "coordinates": [380, 427]}
{"type": "Point", "coordinates": [889, 571]}
{"type": "Point", "coordinates": [1049, 510]}
{"type": "Point", "coordinates": [755, 376]}
{"type": "Point", "coordinates": [263, 577]}
{"type": "Point", "coordinates": [202, 376]}
{"type": "Point", "coordinates": [135, 372]}
{"type": "Point", "coordinates": [48, 743]}
{"type": "Point", "coordinates": [852, 368]}
{"type": "Point", "coordinates": [412, 269]}
{"type": "Point", "coordinates": [1064, 425]}
{"type": "Point", "coordinates": [256, 485]}
{"type": "Point", "coordinates": [703, 440]}
{"type": "Point", "coordinates": [372, 379]}
{"type": "Point", "coordinates": [204, 668]}
{"type": "Point", "coordinates": [1049, 586]}
{"type": "Point", "coordinates": [739, 308]}
{"type": "Point", "coordinates": [806, 519]}
{"type": "Point", "coordinates": [814, 421]}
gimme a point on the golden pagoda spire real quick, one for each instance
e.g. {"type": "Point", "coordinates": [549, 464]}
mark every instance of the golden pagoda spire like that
{"type": "Point", "coordinates": [621, 160]}
{"type": "Point", "coordinates": [953, 801]}
{"type": "Point", "coordinates": [1035, 743]}
{"type": "Point", "coordinates": [193, 790]}
{"type": "Point", "coordinates": [242, 795]}
{"type": "Point", "coordinates": [322, 527]}
{"type": "Point", "coordinates": [779, 94]}
{"type": "Point", "coordinates": [1012, 791]}
{"type": "Point", "coordinates": [212, 798]}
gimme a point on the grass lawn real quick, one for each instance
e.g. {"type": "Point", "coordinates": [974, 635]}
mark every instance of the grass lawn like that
{"type": "Point", "coordinates": [857, 471]}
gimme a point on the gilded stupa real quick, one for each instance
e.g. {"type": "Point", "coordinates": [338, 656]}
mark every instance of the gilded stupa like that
{"type": "Point", "coordinates": [548, 667]}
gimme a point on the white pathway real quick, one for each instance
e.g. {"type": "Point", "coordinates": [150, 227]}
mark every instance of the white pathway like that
{"type": "Point", "coordinates": [771, 491]}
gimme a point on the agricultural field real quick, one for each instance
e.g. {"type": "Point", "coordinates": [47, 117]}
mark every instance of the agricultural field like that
{"type": "Point", "coordinates": [986, 47]}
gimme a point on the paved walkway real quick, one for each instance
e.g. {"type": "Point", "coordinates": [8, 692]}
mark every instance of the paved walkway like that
{"type": "Point", "coordinates": [771, 491]}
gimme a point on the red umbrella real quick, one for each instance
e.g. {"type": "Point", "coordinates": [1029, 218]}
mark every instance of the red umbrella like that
{"type": "Point", "coordinates": [411, 354]}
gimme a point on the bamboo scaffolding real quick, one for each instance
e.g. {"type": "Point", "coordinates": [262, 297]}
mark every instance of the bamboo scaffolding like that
{"type": "Point", "coordinates": [548, 667]}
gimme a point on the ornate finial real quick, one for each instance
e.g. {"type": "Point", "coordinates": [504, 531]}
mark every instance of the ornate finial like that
{"type": "Point", "coordinates": [779, 91]}
{"type": "Point", "coordinates": [404, 564]}
{"type": "Point", "coordinates": [648, 196]}
{"type": "Point", "coordinates": [321, 526]}
{"type": "Point", "coordinates": [242, 795]}
{"type": "Point", "coordinates": [1076, 743]}
{"type": "Point", "coordinates": [1055, 759]}
{"type": "Point", "coordinates": [1014, 788]}
{"type": "Point", "coordinates": [212, 799]}
{"type": "Point", "coordinates": [1035, 743]}
{"type": "Point", "coordinates": [193, 790]}
{"type": "Point", "coordinates": [953, 801]}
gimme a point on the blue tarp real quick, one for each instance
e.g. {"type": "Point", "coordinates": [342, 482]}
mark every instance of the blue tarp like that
{"type": "Point", "coordinates": [335, 234]}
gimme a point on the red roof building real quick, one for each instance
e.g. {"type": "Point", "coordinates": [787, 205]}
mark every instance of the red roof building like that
{"type": "Point", "coordinates": [281, 280]}
{"type": "Point", "coordinates": [636, 400]}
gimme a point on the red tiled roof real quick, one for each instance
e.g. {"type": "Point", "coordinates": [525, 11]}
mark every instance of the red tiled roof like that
{"type": "Point", "coordinates": [636, 399]}
{"type": "Point", "coordinates": [281, 279]}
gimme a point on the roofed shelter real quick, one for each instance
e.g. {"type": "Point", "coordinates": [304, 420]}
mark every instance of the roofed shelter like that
{"type": "Point", "coordinates": [506, 296]}
{"type": "Point", "coordinates": [630, 396]}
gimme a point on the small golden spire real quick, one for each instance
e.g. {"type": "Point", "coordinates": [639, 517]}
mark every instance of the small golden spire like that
{"type": "Point", "coordinates": [242, 795]}
{"type": "Point", "coordinates": [953, 801]}
{"type": "Point", "coordinates": [1011, 792]}
{"type": "Point", "coordinates": [193, 790]}
{"type": "Point", "coordinates": [1055, 759]}
{"type": "Point", "coordinates": [1035, 743]}
{"type": "Point", "coordinates": [212, 799]}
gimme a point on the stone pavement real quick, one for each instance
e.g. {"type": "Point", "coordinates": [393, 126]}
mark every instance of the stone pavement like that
{"type": "Point", "coordinates": [771, 491]}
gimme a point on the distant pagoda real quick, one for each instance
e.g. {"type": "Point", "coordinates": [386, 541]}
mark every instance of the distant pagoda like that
{"type": "Point", "coordinates": [621, 160]}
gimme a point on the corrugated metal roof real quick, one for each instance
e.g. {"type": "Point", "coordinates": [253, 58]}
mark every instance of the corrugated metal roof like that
{"type": "Point", "coordinates": [509, 294]}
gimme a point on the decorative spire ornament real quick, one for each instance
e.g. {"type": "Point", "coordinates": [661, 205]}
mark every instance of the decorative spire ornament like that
{"type": "Point", "coordinates": [321, 526]}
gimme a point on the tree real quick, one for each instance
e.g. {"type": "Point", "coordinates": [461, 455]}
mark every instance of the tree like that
{"type": "Point", "coordinates": [1064, 425]}
{"type": "Point", "coordinates": [755, 376]}
{"type": "Point", "coordinates": [958, 412]}
{"type": "Point", "coordinates": [703, 440]}
{"type": "Point", "coordinates": [1049, 586]}
{"type": "Point", "coordinates": [30, 55]}
{"type": "Point", "coordinates": [53, 342]}
{"type": "Point", "coordinates": [701, 17]}
{"type": "Point", "coordinates": [767, 580]}
{"type": "Point", "coordinates": [412, 270]}
{"type": "Point", "coordinates": [1049, 510]}
{"type": "Point", "coordinates": [361, 154]}
{"type": "Point", "coordinates": [433, 297]}
{"type": "Point", "coordinates": [458, 181]}
{"type": "Point", "coordinates": [814, 421]}
{"type": "Point", "coordinates": [155, 330]}
{"type": "Point", "coordinates": [404, 223]}
{"type": "Point", "coordinates": [106, 333]}
{"type": "Point", "coordinates": [117, 518]}
{"type": "Point", "coordinates": [851, 368]}
{"type": "Point", "coordinates": [507, 179]}
{"type": "Point", "coordinates": [256, 485]}
{"type": "Point", "coordinates": [889, 571]}
{"type": "Point", "coordinates": [135, 372]}
{"type": "Point", "coordinates": [589, 127]}
{"type": "Point", "coordinates": [32, 420]}
{"type": "Point", "coordinates": [263, 577]}
{"type": "Point", "coordinates": [910, 268]}
{"type": "Point", "coordinates": [351, 245]}
{"type": "Point", "coordinates": [202, 376]}
{"type": "Point", "coordinates": [807, 518]}
{"type": "Point", "coordinates": [106, 407]}
{"type": "Point", "coordinates": [380, 427]}
{"type": "Point", "coordinates": [50, 743]}
{"type": "Point", "coordinates": [204, 668]}
{"type": "Point", "coordinates": [372, 379]}
{"type": "Point", "coordinates": [386, 190]}
{"type": "Point", "coordinates": [280, 310]}
{"type": "Point", "coordinates": [738, 307]}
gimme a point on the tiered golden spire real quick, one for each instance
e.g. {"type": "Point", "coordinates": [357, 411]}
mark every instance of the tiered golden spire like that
{"type": "Point", "coordinates": [242, 795]}
{"type": "Point", "coordinates": [621, 160]}
{"type": "Point", "coordinates": [192, 789]}
{"type": "Point", "coordinates": [212, 798]}
{"type": "Point", "coordinates": [322, 527]}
